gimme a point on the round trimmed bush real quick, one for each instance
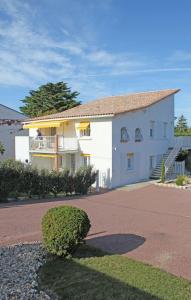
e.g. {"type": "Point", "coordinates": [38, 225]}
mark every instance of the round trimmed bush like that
{"type": "Point", "coordinates": [64, 229]}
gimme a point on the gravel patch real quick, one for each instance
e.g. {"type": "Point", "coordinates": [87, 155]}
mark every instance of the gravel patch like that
{"type": "Point", "coordinates": [18, 272]}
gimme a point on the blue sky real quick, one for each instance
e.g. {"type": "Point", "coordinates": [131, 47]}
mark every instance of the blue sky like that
{"type": "Point", "coordinates": [99, 47]}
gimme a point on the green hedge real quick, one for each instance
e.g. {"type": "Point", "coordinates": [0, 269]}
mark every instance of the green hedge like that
{"type": "Point", "coordinates": [63, 229]}
{"type": "Point", "coordinates": [18, 179]}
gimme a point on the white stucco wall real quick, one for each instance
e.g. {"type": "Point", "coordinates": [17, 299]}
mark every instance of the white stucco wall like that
{"type": "Point", "coordinates": [160, 112]}
{"type": "Point", "coordinates": [8, 133]}
{"type": "Point", "coordinates": [22, 148]}
{"type": "Point", "coordinates": [42, 162]}
{"type": "Point", "coordinates": [98, 145]}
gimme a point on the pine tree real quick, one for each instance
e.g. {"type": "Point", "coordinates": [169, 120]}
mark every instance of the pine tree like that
{"type": "Point", "coordinates": [49, 98]}
{"type": "Point", "coordinates": [181, 125]}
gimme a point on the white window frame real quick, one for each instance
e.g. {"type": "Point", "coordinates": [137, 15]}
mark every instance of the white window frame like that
{"type": "Point", "coordinates": [124, 135]}
{"type": "Point", "coordinates": [85, 132]}
{"type": "Point", "coordinates": [130, 158]}
{"type": "Point", "coordinates": [86, 160]}
{"type": "Point", "coordinates": [152, 129]}
{"type": "Point", "coordinates": [138, 135]}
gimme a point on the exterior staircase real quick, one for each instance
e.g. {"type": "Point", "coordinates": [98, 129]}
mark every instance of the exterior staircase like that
{"type": "Point", "coordinates": [170, 156]}
{"type": "Point", "coordinates": [156, 173]}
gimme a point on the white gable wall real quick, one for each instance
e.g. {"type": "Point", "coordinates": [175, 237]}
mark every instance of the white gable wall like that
{"type": "Point", "coordinates": [8, 133]}
{"type": "Point", "coordinates": [160, 112]}
{"type": "Point", "coordinates": [99, 146]}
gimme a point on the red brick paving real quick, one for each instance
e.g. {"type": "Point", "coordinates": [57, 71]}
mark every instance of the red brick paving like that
{"type": "Point", "coordinates": [151, 224]}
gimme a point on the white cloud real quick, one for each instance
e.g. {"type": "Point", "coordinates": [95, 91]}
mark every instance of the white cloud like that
{"type": "Point", "coordinates": [30, 56]}
{"type": "Point", "coordinates": [180, 56]}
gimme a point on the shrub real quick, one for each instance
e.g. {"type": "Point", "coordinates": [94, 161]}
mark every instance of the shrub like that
{"type": "Point", "coordinates": [64, 229]}
{"type": "Point", "coordinates": [188, 161]}
{"type": "Point", "coordinates": [44, 185]}
{"type": "Point", "coordinates": [30, 181]}
{"type": "Point", "coordinates": [67, 182]}
{"type": "Point", "coordinates": [182, 180]}
{"type": "Point", "coordinates": [183, 154]}
{"type": "Point", "coordinates": [17, 178]}
{"type": "Point", "coordinates": [83, 179]}
{"type": "Point", "coordinates": [163, 172]}
{"type": "Point", "coordinates": [10, 171]}
{"type": "Point", "coordinates": [56, 184]}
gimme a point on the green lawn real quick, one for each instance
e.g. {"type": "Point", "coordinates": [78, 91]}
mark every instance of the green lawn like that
{"type": "Point", "coordinates": [93, 275]}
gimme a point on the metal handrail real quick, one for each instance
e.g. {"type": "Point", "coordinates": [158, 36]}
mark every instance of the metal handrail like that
{"type": "Point", "coordinates": [172, 155]}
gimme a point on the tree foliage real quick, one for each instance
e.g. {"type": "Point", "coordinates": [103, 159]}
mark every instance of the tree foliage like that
{"type": "Point", "coordinates": [181, 127]}
{"type": "Point", "coordinates": [49, 98]}
{"type": "Point", "coordinates": [2, 149]}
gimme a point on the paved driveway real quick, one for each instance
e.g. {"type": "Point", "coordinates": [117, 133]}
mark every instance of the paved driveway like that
{"type": "Point", "coordinates": [151, 224]}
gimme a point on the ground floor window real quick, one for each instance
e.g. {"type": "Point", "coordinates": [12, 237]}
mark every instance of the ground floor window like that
{"type": "Point", "coordinates": [86, 160]}
{"type": "Point", "coordinates": [130, 161]}
{"type": "Point", "coordinates": [73, 163]}
{"type": "Point", "coordinates": [151, 162]}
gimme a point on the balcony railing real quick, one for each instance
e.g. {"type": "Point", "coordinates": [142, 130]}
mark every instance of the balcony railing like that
{"type": "Point", "coordinates": [52, 144]}
{"type": "Point", "coordinates": [184, 141]}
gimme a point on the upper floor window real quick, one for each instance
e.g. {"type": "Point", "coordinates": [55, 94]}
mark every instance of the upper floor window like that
{"type": "Point", "coordinates": [165, 129]}
{"type": "Point", "coordinates": [84, 129]}
{"type": "Point", "coordinates": [124, 135]}
{"type": "Point", "coordinates": [138, 135]}
{"type": "Point", "coordinates": [52, 131]}
{"type": "Point", "coordinates": [151, 130]}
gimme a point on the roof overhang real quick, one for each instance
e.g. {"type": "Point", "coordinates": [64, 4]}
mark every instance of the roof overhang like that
{"type": "Point", "coordinates": [66, 119]}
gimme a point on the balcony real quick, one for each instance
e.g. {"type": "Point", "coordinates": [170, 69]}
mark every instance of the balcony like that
{"type": "Point", "coordinates": [52, 144]}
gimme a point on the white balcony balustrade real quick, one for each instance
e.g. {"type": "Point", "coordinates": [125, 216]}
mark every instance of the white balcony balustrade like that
{"type": "Point", "coordinates": [52, 144]}
{"type": "Point", "coordinates": [67, 144]}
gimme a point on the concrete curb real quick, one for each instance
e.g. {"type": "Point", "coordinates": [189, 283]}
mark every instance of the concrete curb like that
{"type": "Point", "coordinates": [172, 185]}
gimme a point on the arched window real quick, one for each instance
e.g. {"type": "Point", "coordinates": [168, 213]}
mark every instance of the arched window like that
{"type": "Point", "coordinates": [138, 135]}
{"type": "Point", "coordinates": [124, 135]}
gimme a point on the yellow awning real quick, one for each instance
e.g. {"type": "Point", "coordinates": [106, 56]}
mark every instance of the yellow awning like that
{"type": "Point", "coordinates": [85, 154]}
{"type": "Point", "coordinates": [45, 155]}
{"type": "Point", "coordinates": [42, 125]}
{"type": "Point", "coordinates": [83, 125]}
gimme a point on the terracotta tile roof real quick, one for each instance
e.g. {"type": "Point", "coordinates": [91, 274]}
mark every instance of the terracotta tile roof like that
{"type": "Point", "coordinates": [112, 105]}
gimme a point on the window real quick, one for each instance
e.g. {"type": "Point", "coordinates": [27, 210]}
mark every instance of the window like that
{"type": "Point", "coordinates": [151, 132]}
{"type": "Point", "coordinates": [130, 161]}
{"type": "Point", "coordinates": [151, 162]}
{"type": "Point", "coordinates": [52, 131]}
{"type": "Point", "coordinates": [85, 131]}
{"type": "Point", "coordinates": [73, 162]}
{"type": "Point", "coordinates": [85, 159]}
{"type": "Point", "coordinates": [164, 129]}
{"type": "Point", "coordinates": [138, 135]}
{"type": "Point", "coordinates": [124, 135]}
